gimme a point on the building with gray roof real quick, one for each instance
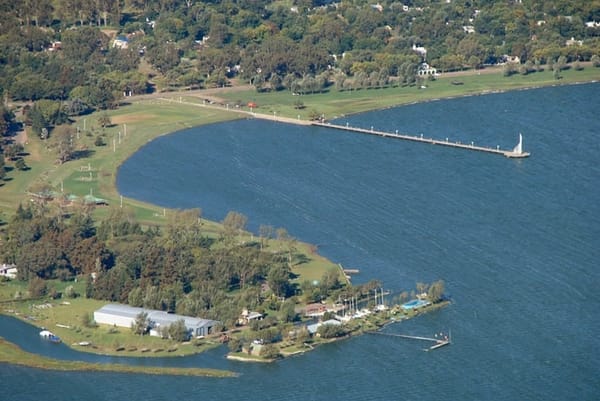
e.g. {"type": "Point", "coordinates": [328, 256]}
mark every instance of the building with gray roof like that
{"type": "Point", "coordinates": [125, 315]}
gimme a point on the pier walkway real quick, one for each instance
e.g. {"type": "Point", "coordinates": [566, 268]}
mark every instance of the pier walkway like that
{"type": "Point", "coordinates": [438, 342]}
{"type": "Point", "coordinates": [513, 153]}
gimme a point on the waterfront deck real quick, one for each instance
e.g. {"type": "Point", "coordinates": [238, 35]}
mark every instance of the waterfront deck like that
{"type": "Point", "coordinates": [507, 153]}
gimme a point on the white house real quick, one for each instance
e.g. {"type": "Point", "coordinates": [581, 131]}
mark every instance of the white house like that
{"type": "Point", "coordinates": [8, 271]}
{"type": "Point", "coordinates": [125, 315]}
{"type": "Point", "coordinates": [420, 49]}
{"type": "Point", "coordinates": [121, 42]}
{"type": "Point", "coordinates": [247, 316]}
{"type": "Point", "coordinates": [425, 69]}
{"type": "Point", "coordinates": [313, 328]}
{"type": "Point", "coordinates": [573, 42]}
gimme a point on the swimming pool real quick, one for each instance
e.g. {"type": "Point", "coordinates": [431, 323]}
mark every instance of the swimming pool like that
{"type": "Point", "coordinates": [415, 303]}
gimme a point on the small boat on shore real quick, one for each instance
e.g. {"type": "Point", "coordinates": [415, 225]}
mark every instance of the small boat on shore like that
{"type": "Point", "coordinates": [48, 335]}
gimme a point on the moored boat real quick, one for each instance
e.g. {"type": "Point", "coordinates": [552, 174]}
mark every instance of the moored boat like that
{"type": "Point", "coordinates": [48, 335]}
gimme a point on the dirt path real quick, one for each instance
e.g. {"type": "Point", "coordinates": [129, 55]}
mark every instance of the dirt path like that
{"type": "Point", "coordinates": [209, 93]}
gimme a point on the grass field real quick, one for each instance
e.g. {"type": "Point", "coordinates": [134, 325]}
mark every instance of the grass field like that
{"type": "Point", "coordinates": [334, 104]}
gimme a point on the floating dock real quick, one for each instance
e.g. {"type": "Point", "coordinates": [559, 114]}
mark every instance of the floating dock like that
{"type": "Point", "coordinates": [513, 153]}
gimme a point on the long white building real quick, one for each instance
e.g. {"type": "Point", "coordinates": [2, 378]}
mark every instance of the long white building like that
{"type": "Point", "coordinates": [125, 315]}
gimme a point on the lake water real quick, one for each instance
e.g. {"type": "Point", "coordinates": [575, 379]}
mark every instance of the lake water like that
{"type": "Point", "coordinates": [516, 241]}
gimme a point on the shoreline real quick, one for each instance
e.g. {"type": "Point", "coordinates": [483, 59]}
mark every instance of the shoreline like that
{"type": "Point", "coordinates": [12, 354]}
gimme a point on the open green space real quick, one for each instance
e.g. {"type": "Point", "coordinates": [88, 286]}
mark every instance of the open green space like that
{"type": "Point", "coordinates": [335, 104]}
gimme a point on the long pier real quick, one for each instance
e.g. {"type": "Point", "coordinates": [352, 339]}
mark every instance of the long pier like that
{"type": "Point", "coordinates": [438, 342]}
{"type": "Point", "coordinates": [513, 153]}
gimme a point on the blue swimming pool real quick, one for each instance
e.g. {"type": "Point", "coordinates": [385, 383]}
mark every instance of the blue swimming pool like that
{"type": "Point", "coordinates": [415, 303]}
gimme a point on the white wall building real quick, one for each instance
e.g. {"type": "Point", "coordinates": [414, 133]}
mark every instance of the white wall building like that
{"type": "Point", "coordinates": [8, 271]}
{"type": "Point", "coordinates": [125, 315]}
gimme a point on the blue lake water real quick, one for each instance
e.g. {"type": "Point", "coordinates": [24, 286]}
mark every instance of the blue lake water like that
{"type": "Point", "coordinates": [516, 241]}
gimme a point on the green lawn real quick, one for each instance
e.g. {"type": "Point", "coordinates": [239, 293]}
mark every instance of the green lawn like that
{"type": "Point", "coordinates": [335, 104]}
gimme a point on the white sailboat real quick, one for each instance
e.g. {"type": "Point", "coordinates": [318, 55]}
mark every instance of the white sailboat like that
{"type": "Point", "coordinates": [518, 150]}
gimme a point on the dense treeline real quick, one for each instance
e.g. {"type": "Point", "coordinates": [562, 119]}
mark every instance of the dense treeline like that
{"type": "Point", "coordinates": [65, 49]}
{"type": "Point", "coordinates": [177, 268]}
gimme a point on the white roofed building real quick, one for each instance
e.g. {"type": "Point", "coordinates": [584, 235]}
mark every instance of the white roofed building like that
{"type": "Point", "coordinates": [125, 316]}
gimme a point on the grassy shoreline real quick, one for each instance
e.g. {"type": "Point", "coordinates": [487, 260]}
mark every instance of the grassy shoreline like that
{"type": "Point", "coordinates": [14, 355]}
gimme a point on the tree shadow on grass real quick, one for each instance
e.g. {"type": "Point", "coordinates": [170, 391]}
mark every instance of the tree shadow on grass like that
{"type": "Point", "coordinates": [82, 154]}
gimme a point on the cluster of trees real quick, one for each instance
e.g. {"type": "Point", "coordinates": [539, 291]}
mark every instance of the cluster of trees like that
{"type": "Point", "coordinates": [195, 42]}
{"type": "Point", "coordinates": [176, 268]}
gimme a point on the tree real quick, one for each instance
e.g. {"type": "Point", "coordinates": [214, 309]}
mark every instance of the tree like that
{"type": "Point", "coordinates": [436, 291]}
{"type": "Point", "coordinates": [62, 142]}
{"type": "Point", "coordinates": [141, 324]}
{"type": "Point", "coordinates": [37, 287]}
{"type": "Point", "coordinates": [2, 170]}
{"type": "Point", "coordinates": [279, 280]}
{"type": "Point", "coordinates": [288, 310]}
{"type": "Point", "coordinates": [20, 165]}
{"type": "Point", "coordinates": [270, 351]}
{"type": "Point", "coordinates": [330, 280]}
{"type": "Point", "coordinates": [178, 331]}
{"type": "Point", "coordinates": [70, 292]}
{"type": "Point", "coordinates": [234, 223]}
{"type": "Point", "coordinates": [422, 288]}
{"type": "Point", "coordinates": [104, 120]}
{"type": "Point", "coordinates": [331, 331]}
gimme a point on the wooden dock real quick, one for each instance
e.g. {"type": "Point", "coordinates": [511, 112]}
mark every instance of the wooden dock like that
{"type": "Point", "coordinates": [439, 342]}
{"type": "Point", "coordinates": [508, 153]}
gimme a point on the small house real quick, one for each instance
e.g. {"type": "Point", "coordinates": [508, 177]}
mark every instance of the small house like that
{"type": "Point", "coordinates": [247, 316]}
{"type": "Point", "coordinates": [425, 69]}
{"type": "Point", "coordinates": [121, 42]}
{"type": "Point", "coordinates": [314, 310]}
{"type": "Point", "coordinates": [8, 271]}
